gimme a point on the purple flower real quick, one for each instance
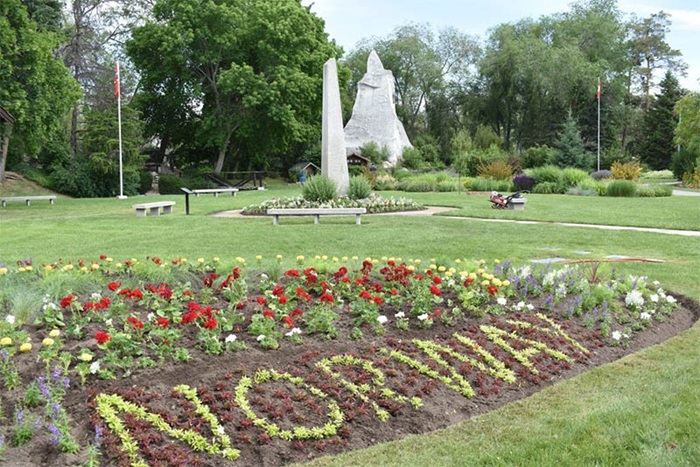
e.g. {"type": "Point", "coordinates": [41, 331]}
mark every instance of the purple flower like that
{"type": "Point", "coordinates": [19, 417]}
{"type": "Point", "coordinates": [57, 435]}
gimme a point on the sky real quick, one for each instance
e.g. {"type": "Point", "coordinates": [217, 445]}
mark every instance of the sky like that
{"type": "Point", "coordinates": [349, 21]}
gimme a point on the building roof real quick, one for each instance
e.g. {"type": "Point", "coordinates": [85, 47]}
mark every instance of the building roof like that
{"type": "Point", "coordinates": [6, 116]}
{"type": "Point", "coordinates": [299, 166]}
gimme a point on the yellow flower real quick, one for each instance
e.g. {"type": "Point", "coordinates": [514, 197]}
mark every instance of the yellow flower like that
{"type": "Point", "coordinates": [215, 259]}
{"type": "Point", "coordinates": [324, 257]}
{"type": "Point", "coordinates": [411, 267]}
{"type": "Point", "coordinates": [29, 268]}
{"type": "Point", "coordinates": [452, 270]}
{"type": "Point", "coordinates": [48, 342]}
{"type": "Point", "coordinates": [85, 357]}
{"type": "Point", "coordinates": [458, 261]}
{"type": "Point", "coordinates": [506, 283]}
{"type": "Point", "coordinates": [258, 257]}
{"type": "Point", "coordinates": [5, 341]}
{"type": "Point", "coordinates": [485, 283]}
{"type": "Point", "coordinates": [334, 259]}
{"type": "Point", "coordinates": [355, 258]}
{"type": "Point", "coordinates": [278, 256]}
{"type": "Point", "coordinates": [317, 257]}
{"type": "Point", "coordinates": [385, 259]}
{"type": "Point", "coordinates": [472, 275]}
{"type": "Point", "coordinates": [95, 266]}
{"type": "Point", "coordinates": [433, 266]}
{"type": "Point", "coordinates": [55, 333]}
{"type": "Point", "coordinates": [26, 347]}
{"type": "Point", "coordinates": [21, 269]}
{"type": "Point", "coordinates": [344, 258]}
{"type": "Point", "coordinates": [183, 260]}
{"type": "Point", "coordinates": [449, 274]}
{"type": "Point", "coordinates": [497, 282]}
{"type": "Point", "coordinates": [3, 271]}
{"type": "Point", "coordinates": [84, 269]}
{"type": "Point", "coordinates": [442, 269]}
{"type": "Point", "coordinates": [200, 260]}
{"type": "Point", "coordinates": [497, 261]}
{"type": "Point", "coordinates": [46, 269]}
{"type": "Point", "coordinates": [300, 258]}
{"type": "Point", "coordinates": [240, 260]}
{"type": "Point", "coordinates": [118, 265]}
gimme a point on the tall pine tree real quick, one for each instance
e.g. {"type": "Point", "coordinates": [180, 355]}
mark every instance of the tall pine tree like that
{"type": "Point", "coordinates": [657, 148]}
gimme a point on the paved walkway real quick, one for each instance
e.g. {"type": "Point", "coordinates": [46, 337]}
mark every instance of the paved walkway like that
{"type": "Point", "coordinates": [685, 193]}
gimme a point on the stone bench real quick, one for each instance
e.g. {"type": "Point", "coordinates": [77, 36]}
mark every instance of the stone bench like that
{"type": "Point", "coordinates": [517, 204]}
{"type": "Point", "coordinates": [316, 212]}
{"type": "Point", "coordinates": [154, 208]}
{"type": "Point", "coordinates": [215, 191]}
{"type": "Point", "coordinates": [28, 199]}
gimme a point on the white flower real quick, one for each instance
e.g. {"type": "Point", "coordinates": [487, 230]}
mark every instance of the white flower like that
{"type": "Point", "coordinates": [616, 335]}
{"type": "Point", "coordinates": [50, 306]}
{"type": "Point", "coordinates": [634, 298]}
{"type": "Point", "coordinates": [520, 305]}
{"type": "Point", "coordinates": [400, 314]}
{"type": "Point", "coordinates": [530, 306]}
{"type": "Point", "coordinates": [108, 322]}
{"type": "Point", "coordinates": [261, 337]}
{"type": "Point", "coordinates": [150, 316]}
{"type": "Point", "coordinates": [293, 332]}
{"type": "Point", "coordinates": [95, 367]}
{"type": "Point", "coordinates": [230, 338]}
{"type": "Point", "coordinates": [96, 296]}
{"type": "Point", "coordinates": [671, 299]}
{"type": "Point", "coordinates": [654, 298]}
{"type": "Point", "coordinates": [382, 319]}
{"type": "Point", "coordinates": [502, 301]}
{"type": "Point", "coordinates": [264, 276]}
{"type": "Point", "coordinates": [220, 430]}
{"type": "Point", "coordinates": [423, 317]}
{"type": "Point", "coordinates": [10, 319]}
{"type": "Point", "coordinates": [645, 316]}
{"type": "Point", "coordinates": [656, 283]}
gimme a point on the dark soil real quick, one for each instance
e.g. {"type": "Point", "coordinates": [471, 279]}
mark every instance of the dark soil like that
{"type": "Point", "coordinates": [216, 379]}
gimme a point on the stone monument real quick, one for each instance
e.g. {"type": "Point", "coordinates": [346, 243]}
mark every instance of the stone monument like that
{"type": "Point", "coordinates": [374, 116]}
{"type": "Point", "coordinates": [334, 162]}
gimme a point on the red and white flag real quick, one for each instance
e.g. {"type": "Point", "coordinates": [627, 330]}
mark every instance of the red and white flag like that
{"type": "Point", "coordinates": [117, 91]}
{"type": "Point", "coordinates": [597, 95]}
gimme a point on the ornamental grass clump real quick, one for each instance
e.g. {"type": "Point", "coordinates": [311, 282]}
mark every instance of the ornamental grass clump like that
{"type": "Point", "coordinates": [319, 188]}
{"type": "Point", "coordinates": [622, 189]}
{"type": "Point", "coordinates": [360, 188]}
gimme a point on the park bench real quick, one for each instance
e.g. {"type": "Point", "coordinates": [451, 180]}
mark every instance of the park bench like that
{"type": "Point", "coordinates": [154, 208]}
{"type": "Point", "coordinates": [316, 212]}
{"type": "Point", "coordinates": [27, 199]}
{"type": "Point", "coordinates": [215, 191]}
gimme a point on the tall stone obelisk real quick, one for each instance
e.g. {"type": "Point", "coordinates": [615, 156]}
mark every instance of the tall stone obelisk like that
{"type": "Point", "coordinates": [334, 162]}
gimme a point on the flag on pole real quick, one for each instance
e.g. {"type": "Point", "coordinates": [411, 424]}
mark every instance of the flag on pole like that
{"type": "Point", "coordinates": [597, 95]}
{"type": "Point", "coordinates": [117, 91]}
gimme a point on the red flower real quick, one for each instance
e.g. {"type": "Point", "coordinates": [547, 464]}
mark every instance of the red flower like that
{"type": "Point", "coordinates": [187, 293]}
{"type": "Point", "coordinates": [135, 322]}
{"type": "Point", "coordinates": [102, 337]}
{"type": "Point", "coordinates": [66, 301]}
{"type": "Point", "coordinates": [136, 295]}
{"type": "Point", "coordinates": [278, 291]}
{"type": "Point", "coordinates": [193, 307]}
{"type": "Point", "coordinates": [394, 292]}
{"type": "Point", "coordinates": [283, 300]}
{"type": "Point", "coordinates": [296, 312]}
{"type": "Point", "coordinates": [468, 281]}
{"type": "Point", "coordinates": [126, 292]}
{"type": "Point", "coordinates": [437, 280]}
{"type": "Point", "coordinates": [341, 273]}
{"type": "Point", "coordinates": [378, 300]}
{"type": "Point", "coordinates": [105, 302]}
{"type": "Point", "coordinates": [269, 314]}
{"type": "Point", "coordinates": [493, 290]}
{"type": "Point", "coordinates": [377, 287]}
{"type": "Point", "coordinates": [327, 297]}
{"type": "Point", "coordinates": [345, 280]}
{"type": "Point", "coordinates": [262, 301]}
{"type": "Point", "coordinates": [114, 286]}
{"type": "Point", "coordinates": [434, 290]}
{"type": "Point", "coordinates": [209, 280]}
{"type": "Point", "coordinates": [302, 295]}
{"type": "Point", "coordinates": [292, 273]}
{"type": "Point", "coordinates": [103, 257]}
{"type": "Point", "coordinates": [365, 294]}
{"type": "Point", "coordinates": [438, 312]}
{"type": "Point", "coordinates": [163, 322]}
{"type": "Point", "coordinates": [287, 320]}
{"type": "Point", "coordinates": [189, 317]}
{"type": "Point", "coordinates": [210, 324]}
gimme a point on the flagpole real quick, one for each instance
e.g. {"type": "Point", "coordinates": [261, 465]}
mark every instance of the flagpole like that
{"type": "Point", "coordinates": [119, 121]}
{"type": "Point", "coordinates": [598, 124]}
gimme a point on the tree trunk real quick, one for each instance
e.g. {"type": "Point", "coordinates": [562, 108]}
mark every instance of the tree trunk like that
{"type": "Point", "coordinates": [3, 153]}
{"type": "Point", "coordinates": [74, 131]}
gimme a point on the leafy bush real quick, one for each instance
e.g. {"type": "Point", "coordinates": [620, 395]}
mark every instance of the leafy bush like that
{"type": "Point", "coordinates": [386, 182]}
{"type": "Point", "coordinates": [692, 179]}
{"type": "Point", "coordinates": [572, 177]}
{"type": "Point", "coordinates": [490, 184]}
{"type": "Point", "coordinates": [682, 162]}
{"type": "Point", "coordinates": [499, 169]}
{"type": "Point", "coordinates": [415, 185]}
{"type": "Point", "coordinates": [586, 187]}
{"type": "Point", "coordinates": [654, 191]}
{"type": "Point", "coordinates": [546, 173]}
{"type": "Point", "coordinates": [547, 188]}
{"type": "Point", "coordinates": [468, 163]}
{"type": "Point", "coordinates": [658, 175]}
{"type": "Point", "coordinates": [448, 185]}
{"type": "Point", "coordinates": [319, 188]}
{"type": "Point", "coordinates": [373, 152]}
{"type": "Point", "coordinates": [622, 188]}
{"type": "Point", "coordinates": [537, 156]}
{"type": "Point", "coordinates": [360, 187]}
{"type": "Point", "coordinates": [412, 158]}
{"type": "Point", "coordinates": [145, 181]}
{"type": "Point", "coordinates": [601, 174]}
{"type": "Point", "coordinates": [626, 171]}
{"type": "Point", "coordinates": [523, 182]}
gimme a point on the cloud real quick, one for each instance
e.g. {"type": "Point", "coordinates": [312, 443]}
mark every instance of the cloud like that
{"type": "Point", "coordinates": [685, 20]}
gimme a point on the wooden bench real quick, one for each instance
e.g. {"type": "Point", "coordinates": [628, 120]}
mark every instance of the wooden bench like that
{"type": "Point", "coordinates": [27, 199]}
{"type": "Point", "coordinates": [154, 208]}
{"type": "Point", "coordinates": [215, 191]}
{"type": "Point", "coordinates": [517, 204]}
{"type": "Point", "coordinates": [316, 212]}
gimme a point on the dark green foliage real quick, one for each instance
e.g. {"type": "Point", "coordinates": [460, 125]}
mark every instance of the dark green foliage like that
{"type": "Point", "coordinates": [537, 156]}
{"type": "Point", "coordinates": [682, 162]}
{"type": "Point", "coordinates": [657, 148]}
{"type": "Point", "coordinates": [548, 188]}
{"type": "Point", "coordinates": [412, 158]}
{"type": "Point", "coordinates": [170, 185]}
{"type": "Point", "coordinates": [360, 187]}
{"type": "Point", "coordinates": [373, 152]}
{"type": "Point", "coordinates": [489, 184]}
{"type": "Point", "coordinates": [319, 188]}
{"type": "Point", "coordinates": [622, 188]}
{"type": "Point", "coordinates": [547, 173]}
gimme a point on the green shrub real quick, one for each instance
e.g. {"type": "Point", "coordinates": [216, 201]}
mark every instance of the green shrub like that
{"type": "Point", "coordinates": [490, 184]}
{"type": "Point", "coordinates": [412, 158]}
{"type": "Point", "coordinates": [547, 188]}
{"type": "Point", "coordinates": [145, 181]}
{"type": "Point", "coordinates": [658, 175]}
{"type": "Point", "coordinates": [319, 188]}
{"type": "Point", "coordinates": [537, 157]}
{"type": "Point", "coordinates": [622, 188]}
{"type": "Point", "coordinates": [386, 182]}
{"type": "Point", "coordinates": [654, 191]}
{"type": "Point", "coordinates": [415, 185]}
{"type": "Point", "coordinates": [602, 188]}
{"type": "Point", "coordinates": [373, 152]}
{"type": "Point", "coordinates": [360, 187]}
{"type": "Point", "coordinates": [572, 177]}
{"type": "Point", "coordinates": [448, 185]}
{"type": "Point", "coordinates": [546, 174]}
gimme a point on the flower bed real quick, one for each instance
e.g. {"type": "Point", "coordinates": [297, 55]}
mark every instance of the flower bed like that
{"type": "Point", "coordinates": [374, 204]}
{"type": "Point", "coordinates": [217, 366]}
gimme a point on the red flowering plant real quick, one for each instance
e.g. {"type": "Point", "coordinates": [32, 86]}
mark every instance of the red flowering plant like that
{"type": "Point", "coordinates": [365, 312]}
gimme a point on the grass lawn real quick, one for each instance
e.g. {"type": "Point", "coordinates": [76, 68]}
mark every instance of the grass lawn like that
{"type": "Point", "coordinates": [641, 410]}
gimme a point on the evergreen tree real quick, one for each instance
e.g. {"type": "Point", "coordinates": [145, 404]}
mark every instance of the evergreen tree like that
{"type": "Point", "coordinates": [570, 150]}
{"type": "Point", "coordinates": [657, 148]}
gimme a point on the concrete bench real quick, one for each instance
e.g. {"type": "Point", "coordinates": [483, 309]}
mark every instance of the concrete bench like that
{"type": "Point", "coordinates": [517, 204]}
{"type": "Point", "coordinates": [215, 191]}
{"type": "Point", "coordinates": [154, 208]}
{"type": "Point", "coordinates": [28, 199]}
{"type": "Point", "coordinates": [316, 212]}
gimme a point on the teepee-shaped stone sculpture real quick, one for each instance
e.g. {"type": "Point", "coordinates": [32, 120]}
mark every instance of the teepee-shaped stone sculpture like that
{"type": "Point", "coordinates": [334, 162]}
{"type": "Point", "coordinates": [374, 116]}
